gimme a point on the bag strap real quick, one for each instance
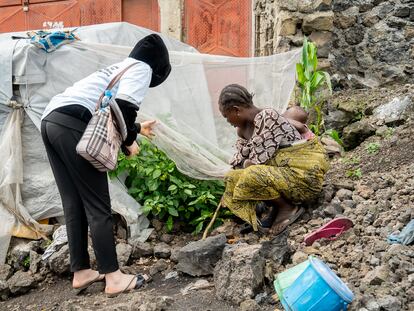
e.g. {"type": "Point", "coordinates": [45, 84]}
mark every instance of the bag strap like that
{"type": "Point", "coordinates": [112, 83]}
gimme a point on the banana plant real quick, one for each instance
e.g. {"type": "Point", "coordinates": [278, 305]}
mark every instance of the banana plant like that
{"type": "Point", "coordinates": [310, 81]}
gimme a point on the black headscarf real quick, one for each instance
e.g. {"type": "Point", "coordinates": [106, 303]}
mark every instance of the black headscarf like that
{"type": "Point", "coordinates": [152, 51]}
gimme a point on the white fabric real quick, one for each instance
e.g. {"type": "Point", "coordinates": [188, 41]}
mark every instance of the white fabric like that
{"type": "Point", "coordinates": [132, 86]}
{"type": "Point", "coordinates": [190, 128]}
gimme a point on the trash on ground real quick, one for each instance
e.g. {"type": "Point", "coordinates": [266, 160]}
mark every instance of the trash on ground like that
{"type": "Point", "coordinates": [405, 237]}
{"type": "Point", "coordinates": [171, 275]}
{"type": "Point", "coordinates": [60, 237]}
{"type": "Point", "coordinates": [200, 284]}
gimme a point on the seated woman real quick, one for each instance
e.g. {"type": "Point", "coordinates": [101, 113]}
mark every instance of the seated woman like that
{"type": "Point", "coordinates": [273, 163]}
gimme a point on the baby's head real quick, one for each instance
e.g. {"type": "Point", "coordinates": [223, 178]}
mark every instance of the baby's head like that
{"type": "Point", "coordinates": [296, 113]}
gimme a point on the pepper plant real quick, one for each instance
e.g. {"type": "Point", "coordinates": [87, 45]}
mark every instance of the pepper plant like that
{"type": "Point", "coordinates": [165, 193]}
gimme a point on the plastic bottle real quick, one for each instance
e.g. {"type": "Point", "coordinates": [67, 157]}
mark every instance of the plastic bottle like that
{"type": "Point", "coordinates": [106, 99]}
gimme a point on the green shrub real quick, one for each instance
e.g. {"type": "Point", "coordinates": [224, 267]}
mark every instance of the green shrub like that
{"type": "Point", "coordinates": [355, 174]}
{"type": "Point", "coordinates": [165, 193]}
{"type": "Point", "coordinates": [26, 262]}
{"type": "Point", "coordinates": [373, 148]}
{"type": "Point", "coordinates": [351, 161]}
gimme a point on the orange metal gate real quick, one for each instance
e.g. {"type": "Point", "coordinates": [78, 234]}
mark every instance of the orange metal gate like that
{"type": "Point", "coordinates": [21, 15]}
{"type": "Point", "coordinates": [219, 26]}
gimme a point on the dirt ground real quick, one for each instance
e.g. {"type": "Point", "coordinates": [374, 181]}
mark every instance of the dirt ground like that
{"type": "Point", "coordinates": [51, 297]}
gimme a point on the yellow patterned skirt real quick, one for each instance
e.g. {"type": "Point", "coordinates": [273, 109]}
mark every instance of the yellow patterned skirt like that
{"type": "Point", "coordinates": [296, 173]}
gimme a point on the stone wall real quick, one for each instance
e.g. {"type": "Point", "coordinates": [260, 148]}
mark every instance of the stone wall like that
{"type": "Point", "coordinates": [281, 25]}
{"type": "Point", "coordinates": [363, 43]}
{"type": "Point", "coordinates": [373, 41]}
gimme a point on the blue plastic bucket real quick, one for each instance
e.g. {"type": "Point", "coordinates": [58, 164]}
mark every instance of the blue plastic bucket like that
{"type": "Point", "coordinates": [286, 278]}
{"type": "Point", "coordinates": [318, 288]}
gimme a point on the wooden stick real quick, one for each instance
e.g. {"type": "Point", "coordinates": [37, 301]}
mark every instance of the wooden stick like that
{"type": "Point", "coordinates": [211, 222]}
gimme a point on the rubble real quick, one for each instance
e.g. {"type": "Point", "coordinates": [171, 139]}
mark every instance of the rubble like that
{"type": "Point", "coordinates": [59, 262]}
{"type": "Point", "coordinates": [162, 250]}
{"type": "Point", "coordinates": [160, 266]}
{"type": "Point", "coordinates": [123, 251]}
{"type": "Point", "coordinates": [21, 282]}
{"type": "Point", "coordinates": [141, 249]}
{"type": "Point", "coordinates": [240, 274]}
{"type": "Point", "coordinates": [199, 258]}
{"type": "Point", "coordinates": [5, 272]}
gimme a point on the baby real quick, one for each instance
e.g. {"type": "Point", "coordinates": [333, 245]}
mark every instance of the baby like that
{"type": "Point", "coordinates": [298, 117]}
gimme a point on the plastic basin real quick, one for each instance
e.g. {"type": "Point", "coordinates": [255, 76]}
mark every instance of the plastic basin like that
{"type": "Point", "coordinates": [286, 278]}
{"type": "Point", "coordinates": [318, 288]}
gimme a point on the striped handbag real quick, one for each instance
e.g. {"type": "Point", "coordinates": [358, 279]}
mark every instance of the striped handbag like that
{"type": "Point", "coordinates": [102, 139]}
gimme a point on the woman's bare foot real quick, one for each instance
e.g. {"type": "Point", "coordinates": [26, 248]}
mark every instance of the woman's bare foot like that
{"type": "Point", "coordinates": [285, 213]}
{"type": "Point", "coordinates": [83, 277]}
{"type": "Point", "coordinates": [117, 282]}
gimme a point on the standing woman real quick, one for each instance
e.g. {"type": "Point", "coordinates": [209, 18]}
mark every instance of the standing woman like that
{"type": "Point", "coordinates": [83, 189]}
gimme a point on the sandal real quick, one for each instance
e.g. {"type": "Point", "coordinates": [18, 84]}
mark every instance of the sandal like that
{"type": "Point", "coordinates": [331, 230]}
{"type": "Point", "coordinates": [282, 226]}
{"type": "Point", "coordinates": [141, 280]}
{"type": "Point", "coordinates": [79, 290]}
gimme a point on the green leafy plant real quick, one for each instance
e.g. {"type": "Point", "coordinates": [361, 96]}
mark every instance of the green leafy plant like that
{"type": "Point", "coordinates": [165, 193]}
{"type": "Point", "coordinates": [26, 262]}
{"type": "Point", "coordinates": [355, 174]}
{"type": "Point", "coordinates": [389, 132]}
{"type": "Point", "coordinates": [358, 116]}
{"type": "Point", "coordinates": [351, 160]}
{"type": "Point", "coordinates": [335, 136]}
{"type": "Point", "coordinates": [373, 148]}
{"type": "Point", "coordinates": [311, 80]}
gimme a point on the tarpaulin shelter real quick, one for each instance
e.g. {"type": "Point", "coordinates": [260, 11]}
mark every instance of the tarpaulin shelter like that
{"type": "Point", "coordinates": [190, 129]}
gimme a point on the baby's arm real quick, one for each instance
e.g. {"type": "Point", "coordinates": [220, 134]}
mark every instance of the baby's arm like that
{"type": "Point", "coordinates": [298, 125]}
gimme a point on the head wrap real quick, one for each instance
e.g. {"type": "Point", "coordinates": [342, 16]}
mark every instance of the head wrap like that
{"type": "Point", "coordinates": [152, 51]}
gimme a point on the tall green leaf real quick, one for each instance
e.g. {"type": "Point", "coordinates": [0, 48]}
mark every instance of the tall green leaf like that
{"type": "Point", "coordinates": [305, 54]}
{"type": "Point", "coordinates": [317, 79]}
{"type": "Point", "coordinates": [300, 73]}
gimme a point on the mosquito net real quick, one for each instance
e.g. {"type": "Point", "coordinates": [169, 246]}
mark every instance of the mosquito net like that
{"type": "Point", "coordinates": [190, 128]}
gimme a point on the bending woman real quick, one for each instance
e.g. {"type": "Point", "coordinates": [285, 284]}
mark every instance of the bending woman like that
{"type": "Point", "coordinates": [272, 162]}
{"type": "Point", "coordinates": [83, 189]}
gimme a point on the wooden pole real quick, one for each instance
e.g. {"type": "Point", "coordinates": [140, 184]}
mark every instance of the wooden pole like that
{"type": "Point", "coordinates": [211, 222]}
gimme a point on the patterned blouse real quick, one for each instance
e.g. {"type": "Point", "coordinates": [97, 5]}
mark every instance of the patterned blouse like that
{"type": "Point", "coordinates": [271, 131]}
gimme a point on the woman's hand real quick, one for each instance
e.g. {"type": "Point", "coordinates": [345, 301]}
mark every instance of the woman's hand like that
{"type": "Point", "coordinates": [133, 149]}
{"type": "Point", "coordinates": [147, 128]}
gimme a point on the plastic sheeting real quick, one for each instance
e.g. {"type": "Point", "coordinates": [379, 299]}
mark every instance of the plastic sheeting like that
{"type": "Point", "coordinates": [190, 128]}
{"type": "Point", "coordinates": [192, 131]}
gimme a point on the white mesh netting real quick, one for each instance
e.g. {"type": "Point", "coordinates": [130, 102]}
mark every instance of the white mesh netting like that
{"type": "Point", "coordinates": [190, 129]}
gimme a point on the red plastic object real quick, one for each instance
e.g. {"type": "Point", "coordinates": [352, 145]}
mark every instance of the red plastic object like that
{"type": "Point", "coordinates": [332, 230]}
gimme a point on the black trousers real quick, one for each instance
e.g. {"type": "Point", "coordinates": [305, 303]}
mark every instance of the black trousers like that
{"type": "Point", "coordinates": [85, 199]}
